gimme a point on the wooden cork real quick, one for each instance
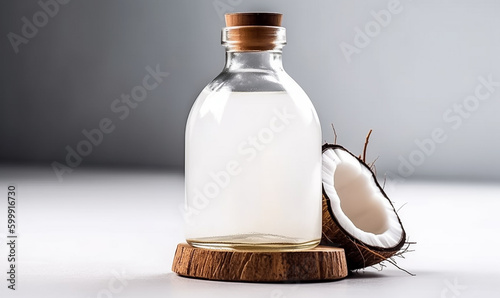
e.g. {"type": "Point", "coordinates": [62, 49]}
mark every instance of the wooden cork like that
{"type": "Point", "coordinates": [257, 31]}
{"type": "Point", "coordinates": [317, 264]}
{"type": "Point", "coordinates": [253, 19]}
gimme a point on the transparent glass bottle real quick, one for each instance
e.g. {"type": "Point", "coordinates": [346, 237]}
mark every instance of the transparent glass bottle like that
{"type": "Point", "coordinates": [253, 148]}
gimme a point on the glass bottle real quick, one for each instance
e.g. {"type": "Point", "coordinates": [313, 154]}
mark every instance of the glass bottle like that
{"type": "Point", "coordinates": [253, 148]}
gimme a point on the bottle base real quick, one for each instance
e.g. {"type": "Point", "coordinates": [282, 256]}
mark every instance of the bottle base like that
{"type": "Point", "coordinates": [253, 242]}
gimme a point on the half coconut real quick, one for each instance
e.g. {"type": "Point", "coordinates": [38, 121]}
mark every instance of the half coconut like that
{"type": "Point", "coordinates": [357, 214]}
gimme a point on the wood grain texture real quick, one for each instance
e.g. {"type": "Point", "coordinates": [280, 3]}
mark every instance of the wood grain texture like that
{"type": "Point", "coordinates": [320, 263]}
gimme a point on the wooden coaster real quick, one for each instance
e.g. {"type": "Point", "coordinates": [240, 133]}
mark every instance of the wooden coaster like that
{"type": "Point", "coordinates": [317, 264]}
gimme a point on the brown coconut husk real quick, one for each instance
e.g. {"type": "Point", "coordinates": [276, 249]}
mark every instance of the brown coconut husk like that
{"type": "Point", "coordinates": [358, 254]}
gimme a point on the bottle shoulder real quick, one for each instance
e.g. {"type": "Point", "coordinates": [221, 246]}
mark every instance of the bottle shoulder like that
{"type": "Point", "coordinates": [251, 92]}
{"type": "Point", "coordinates": [253, 80]}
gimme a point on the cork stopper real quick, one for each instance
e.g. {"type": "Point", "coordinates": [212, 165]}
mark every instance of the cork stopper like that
{"type": "Point", "coordinates": [256, 31]}
{"type": "Point", "coordinates": [253, 19]}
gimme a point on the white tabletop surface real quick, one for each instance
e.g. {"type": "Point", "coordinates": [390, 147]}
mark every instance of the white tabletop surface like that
{"type": "Point", "coordinates": [113, 233]}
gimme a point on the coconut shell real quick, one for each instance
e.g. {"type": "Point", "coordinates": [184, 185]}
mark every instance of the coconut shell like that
{"type": "Point", "coordinates": [358, 254]}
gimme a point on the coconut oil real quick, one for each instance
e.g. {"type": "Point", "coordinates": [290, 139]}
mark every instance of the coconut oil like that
{"type": "Point", "coordinates": [253, 157]}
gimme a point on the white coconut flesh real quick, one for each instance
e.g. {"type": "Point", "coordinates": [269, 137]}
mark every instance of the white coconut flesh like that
{"type": "Point", "coordinates": [357, 202]}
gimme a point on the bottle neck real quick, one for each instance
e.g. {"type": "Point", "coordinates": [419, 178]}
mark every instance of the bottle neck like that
{"type": "Point", "coordinates": [254, 60]}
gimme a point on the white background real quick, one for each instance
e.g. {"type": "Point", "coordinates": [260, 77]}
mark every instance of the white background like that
{"type": "Point", "coordinates": [75, 237]}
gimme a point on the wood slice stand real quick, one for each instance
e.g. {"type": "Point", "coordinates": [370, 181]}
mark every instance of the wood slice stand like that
{"type": "Point", "coordinates": [318, 264]}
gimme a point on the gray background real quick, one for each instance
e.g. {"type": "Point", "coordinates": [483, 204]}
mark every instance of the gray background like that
{"type": "Point", "coordinates": [427, 59]}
